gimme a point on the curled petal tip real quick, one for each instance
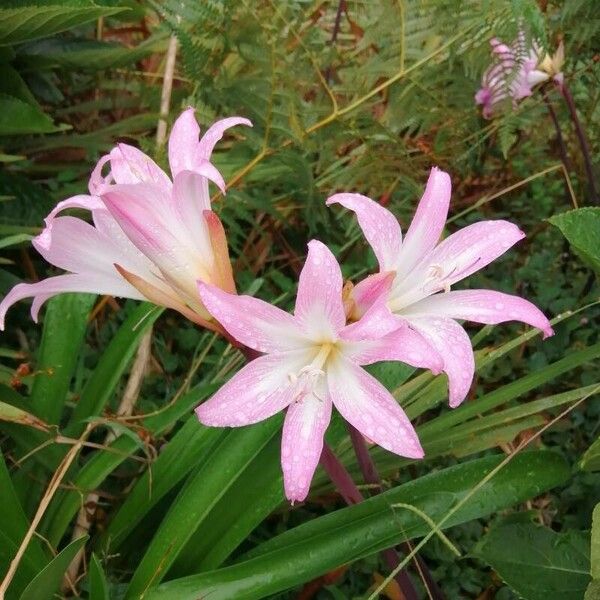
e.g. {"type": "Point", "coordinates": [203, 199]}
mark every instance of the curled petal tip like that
{"type": "Point", "coordinates": [547, 332]}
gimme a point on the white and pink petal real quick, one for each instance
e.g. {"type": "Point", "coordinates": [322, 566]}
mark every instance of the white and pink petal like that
{"type": "Point", "coordinates": [253, 322]}
{"type": "Point", "coordinates": [454, 346]}
{"type": "Point", "coordinates": [429, 220]}
{"type": "Point", "coordinates": [306, 421]}
{"type": "Point", "coordinates": [258, 391]}
{"type": "Point", "coordinates": [482, 306]}
{"type": "Point", "coordinates": [380, 227]}
{"type": "Point", "coordinates": [319, 306]}
{"type": "Point", "coordinates": [371, 409]}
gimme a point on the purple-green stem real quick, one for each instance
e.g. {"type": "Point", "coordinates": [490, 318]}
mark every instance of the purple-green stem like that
{"type": "Point", "coordinates": [583, 142]}
{"type": "Point", "coordinates": [562, 147]}
{"type": "Point", "coordinates": [371, 477]}
{"type": "Point", "coordinates": [351, 495]}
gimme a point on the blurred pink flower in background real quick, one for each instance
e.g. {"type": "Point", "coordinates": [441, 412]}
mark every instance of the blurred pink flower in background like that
{"type": "Point", "coordinates": [152, 237]}
{"type": "Point", "coordinates": [417, 272]}
{"type": "Point", "coordinates": [515, 70]}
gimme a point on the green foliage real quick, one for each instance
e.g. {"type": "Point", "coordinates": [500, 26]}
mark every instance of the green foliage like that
{"type": "Point", "coordinates": [582, 228]}
{"type": "Point", "coordinates": [181, 510]}
{"type": "Point", "coordinates": [536, 562]}
{"type": "Point", "coordinates": [48, 581]}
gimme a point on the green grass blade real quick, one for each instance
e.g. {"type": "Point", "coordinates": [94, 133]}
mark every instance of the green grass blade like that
{"type": "Point", "coordinates": [316, 547]}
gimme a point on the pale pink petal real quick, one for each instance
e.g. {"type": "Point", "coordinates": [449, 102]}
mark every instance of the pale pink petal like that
{"type": "Point", "coordinates": [305, 424]}
{"type": "Point", "coordinates": [535, 77]}
{"type": "Point", "coordinates": [93, 283]}
{"type": "Point", "coordinates": [130, 165]}
{"type": "Point", "coordinates": [190, 200]}
{"type": "Point", "coordinates": [150, 222]}
{"type": "Point", "coordinates": [453, 344]}
{"type": "Point", "coordinates": [253, 322]}
{"type": "Point", "coordinates": [379, 225]}
{"type": "Point", "coordinates": [377, 322]}
{"type": "Point", "coordinates": [429, 220]}
{"type": "Point", "coordinates": [482, 306]}
{"type": "Point", "coordinates": [210, 172]}
{"type": "Point", "coordinates": [125, 253]}
{"type": "Point", "coordinates": [98, 181]}
{"type": "Point", "coordinates": [215, 133]}
{"type": "Point", "coordinates": [77, 246]}
{"type": "Point", "coordinates": [404, 344]}
{"type": "Point", "coordinates": [261, 389]}
{"type": "Point", "coordinates": [472, 248]}
{"type": "Point", "coordinates": [81, 201]}
{"type": "Point", "coordinates": [367, 405]}
{"type": "Point", "coordinates": [369, 290]}
{"type": "Point", "coordinates": [183, 142]}
{"type": "Point", "coordinates": [319, 306]}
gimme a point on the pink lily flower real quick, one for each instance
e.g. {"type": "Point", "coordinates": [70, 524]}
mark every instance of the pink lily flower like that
{"type": "Point", "coordinates": [422, 271]}
{"type": "Point", "coordinates": [312, 362]}
{"type": "Point", "coordinates": [150, 238]}
{"type": "Point", "coordinates": [515, 71]}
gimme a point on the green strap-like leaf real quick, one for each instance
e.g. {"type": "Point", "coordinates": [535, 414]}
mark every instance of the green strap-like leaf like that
{"type": "Point", "coordinates": [98, 586]}
{"type": "Point", "coordinates": [65, 324]}
{"type": "Point", "coordinates": [47, 582]}
{"type": "Point", "coordinates": [199, 495]}
{"type": "Point", "coordinates": [322, 544]}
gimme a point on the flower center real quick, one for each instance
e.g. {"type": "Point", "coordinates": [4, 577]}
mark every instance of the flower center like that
{"type": "Point", "coordinates": [306, 380]}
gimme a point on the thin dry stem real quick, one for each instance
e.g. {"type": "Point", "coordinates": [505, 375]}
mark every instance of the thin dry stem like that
{"type": "Point", "coordinates": [165, 98]}
{"type": "Point", "coordinates": [53, 485]}
{"type": "Point", "coordinates": [85, 516]}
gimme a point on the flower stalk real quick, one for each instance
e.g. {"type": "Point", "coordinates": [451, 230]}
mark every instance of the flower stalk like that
{"type": "Point", "coordinates": [583, 143]}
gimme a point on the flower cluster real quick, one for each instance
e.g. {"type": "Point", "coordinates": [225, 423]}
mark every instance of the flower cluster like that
{"type": "Point", "coordinates": [157, 238]}
{"type": "Point", "coordinates": [515, 70]}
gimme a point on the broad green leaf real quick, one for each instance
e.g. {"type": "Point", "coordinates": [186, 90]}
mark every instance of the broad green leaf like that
{"type": "Point", "coordinates": [590, 461]}
{"type": "Point", "coordinates": [346, 535]}
{"type": "Point", "coordinates": [200, 494]}
{"type": "Point", "coordinates": [65, 324]}
{"type": "Point", "coordinates": [98, 586]}
{"type": "Point", "coordinates": [18, 117]}
{"type": "Point", "coordinates": [47, 582]}
{"type": "Point", "coordinates": [536, 562]}
{"type": "Point", "coordinates": [582, 228]}
{"type": "Point", "coordinates": [13, 240]}
{"type": "Point", "coordinates": [32, 22]}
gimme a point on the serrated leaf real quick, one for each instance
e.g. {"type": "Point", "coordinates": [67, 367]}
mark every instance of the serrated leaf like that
{"type": "Point", "coordinates": [538, 563]}
{"type": "Point", "coordinates": [582, 228]}
{"type": "Point", "coordinates": [19, 118]}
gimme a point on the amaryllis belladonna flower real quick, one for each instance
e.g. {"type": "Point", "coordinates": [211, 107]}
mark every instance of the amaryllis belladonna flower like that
{"type": "Point", "coordinates": [416, 275]}
{"type": "Point", "coordinates": [515, 70]}
{"type": "Point", "coordinates": [312, 361]}
{"type": "Point", "coordinates": [152, 237]}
